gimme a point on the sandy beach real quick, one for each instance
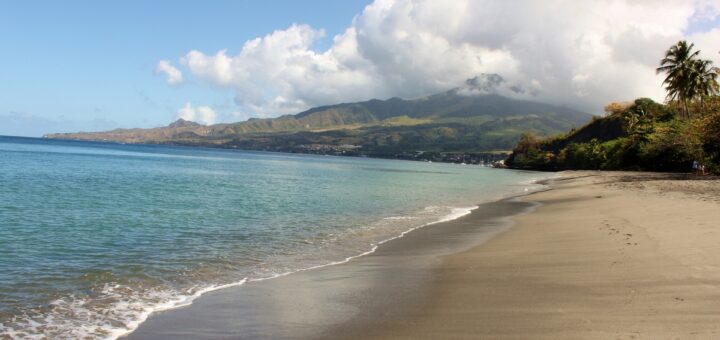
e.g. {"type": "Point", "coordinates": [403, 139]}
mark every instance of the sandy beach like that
{"type": "Point", "coordinates": [600, 255]}
{"type": "Point", "coordinates": [608, 255]}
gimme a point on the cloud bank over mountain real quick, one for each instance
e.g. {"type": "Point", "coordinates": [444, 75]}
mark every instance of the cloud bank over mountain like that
{"type": "Point", "coordinates": [578, 53]}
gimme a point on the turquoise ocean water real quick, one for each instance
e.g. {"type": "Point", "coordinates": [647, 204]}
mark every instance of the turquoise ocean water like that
{"type": "Point", "coordinates": [95, 236]}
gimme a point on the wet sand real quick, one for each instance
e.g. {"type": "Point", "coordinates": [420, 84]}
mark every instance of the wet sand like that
{"type": "Point", "coordinates": [607, 255]}
{"type": "Point", "coordinates": [384, 285]}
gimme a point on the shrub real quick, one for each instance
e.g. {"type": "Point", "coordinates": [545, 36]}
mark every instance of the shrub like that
{"type": "Point", "coordinates": [709, 130]}
{"type": "Point", "coordinates": [616, 152]}
{"type": "Point", "coordinates": [644, 135]}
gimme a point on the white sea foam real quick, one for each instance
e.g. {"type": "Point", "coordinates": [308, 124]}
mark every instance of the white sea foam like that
{"type": "Point", "coordinates": [399, 218]}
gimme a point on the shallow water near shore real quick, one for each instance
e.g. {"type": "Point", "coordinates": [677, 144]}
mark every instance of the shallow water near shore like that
{"type": "Point", "coordinates": [348, 301]}
{"type": "Point", "coordinates": [94, 236]}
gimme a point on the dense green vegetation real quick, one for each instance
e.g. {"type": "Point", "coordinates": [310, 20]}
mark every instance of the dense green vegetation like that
{"type": "Point", "coordinates": [642, 135]}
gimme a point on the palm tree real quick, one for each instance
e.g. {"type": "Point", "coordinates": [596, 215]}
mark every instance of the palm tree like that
{"type": "Point", "coordinates": [678, 65]}
{"type": "Point", "coordinates": [703, 81]}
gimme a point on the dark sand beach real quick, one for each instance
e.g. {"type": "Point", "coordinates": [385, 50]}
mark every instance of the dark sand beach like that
{"type": "Point", "coordinates": [605, 255]}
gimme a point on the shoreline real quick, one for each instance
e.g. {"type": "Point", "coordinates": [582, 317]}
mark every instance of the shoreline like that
{"type": "Point", "coordinates": [495, 217]}
{"type": "Point", "coordinates": [457, 213]}
{"type": "Point", "coordinates": [188, 301]}
{"type": "Point", "coordinates": [597, 255]}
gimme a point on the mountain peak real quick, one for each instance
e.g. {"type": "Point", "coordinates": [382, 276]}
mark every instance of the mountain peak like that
{"type": "Point", "coordinates": [492, 83]}
{"type": "Point", "coordinates": [182, 123]}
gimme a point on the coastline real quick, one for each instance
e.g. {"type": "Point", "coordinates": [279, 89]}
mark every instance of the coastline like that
{"type": "Point", "coordinates": [398, 268]}
{"type": "Point", "coordinates": [600, 257]}
{"type": "Point", "coordinates": [188, 301]}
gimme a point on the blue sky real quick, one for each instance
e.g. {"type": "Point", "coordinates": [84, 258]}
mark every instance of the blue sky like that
{"type": "Point", "coordinates": [86, 66]}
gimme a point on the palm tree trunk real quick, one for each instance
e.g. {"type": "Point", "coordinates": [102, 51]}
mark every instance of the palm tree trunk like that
{"type": "Point", "coordinates": [683, 107]}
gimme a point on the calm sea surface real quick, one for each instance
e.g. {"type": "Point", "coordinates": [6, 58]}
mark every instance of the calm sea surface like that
{"type": "Point", "coordinates": [94, 236]}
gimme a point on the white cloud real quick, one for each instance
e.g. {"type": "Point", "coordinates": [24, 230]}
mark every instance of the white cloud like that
{"type": "Point", "coordinates": [579, 53]}
{"type": "Point", "coordinates": [709, 42]}
{"type": "Point", "coordinates": [173, 75]}
{"type": "Point", "coordinates": [201, 114]}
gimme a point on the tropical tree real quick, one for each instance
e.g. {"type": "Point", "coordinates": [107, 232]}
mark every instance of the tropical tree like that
{"type": "Point", "coordinates": [687, 77]}
{"type": "Point", "coordinates": [678, 64]}
{"type": "Point", "coordinates": [703, 81]}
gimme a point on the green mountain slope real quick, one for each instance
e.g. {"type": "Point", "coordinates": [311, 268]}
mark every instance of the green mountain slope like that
{"type": "Point", "coordinates": [445, 122]}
